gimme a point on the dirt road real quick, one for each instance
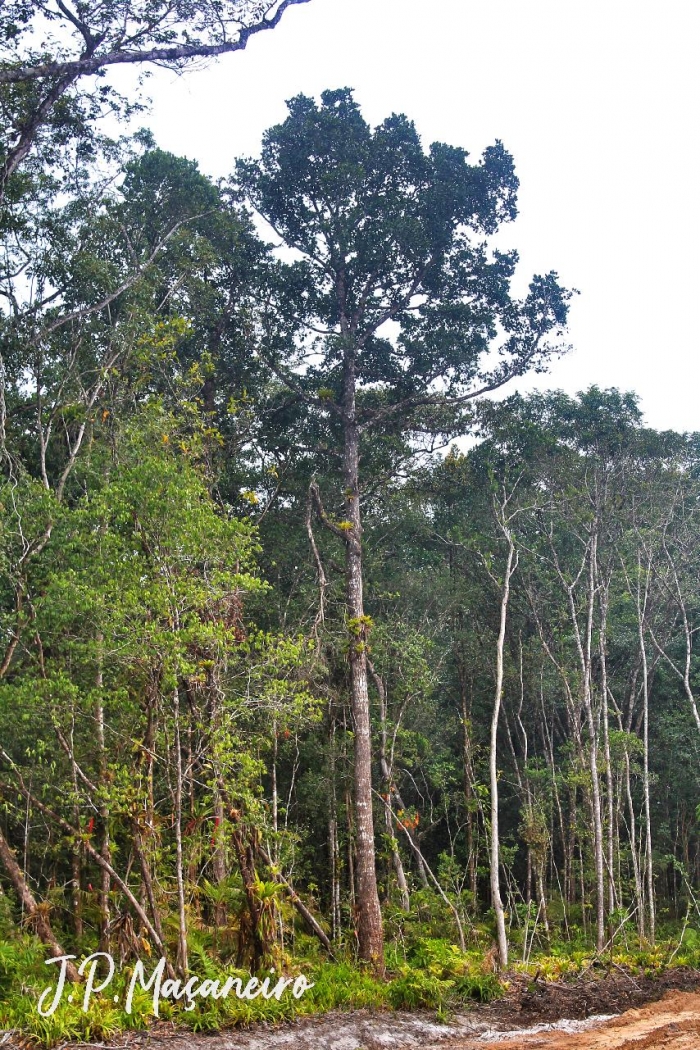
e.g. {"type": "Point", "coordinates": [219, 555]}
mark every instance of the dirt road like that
{"type": "Point", "coordinates": [673, 1023]}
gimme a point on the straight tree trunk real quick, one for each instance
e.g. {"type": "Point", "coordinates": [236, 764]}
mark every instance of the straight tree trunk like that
{"type": "Point", "coordinates": [470, 796]}
{"type": "Point", "coordinates": [599, 856]}
{"type": "Point", "coordinates": [182, 960]}
{"type": "Point", "coordinates": [333, 844]}
{"type": "Point", "coordinates": [495, 846]}
{"type": "Point", "coordinates": [609, 777]}
{"type": "Point", "coordinates": [218, 860]}
{"type": "Point", "coordinates": [370, 931]}
{"type": "Point", "coordinates": [105, 847]}
{"type": "Point", "coordinates": [649, 860]}
{"type": "Point", "coordinates": [76, 866]}
{"type": "Point", "coordinates": [350, 833]}
{"type": "Point", "coordinates": [387, 777]}
{"type": "Point", "coordinates": [584, 647]}
{"type": "Point", "coordinates": [638, 888]}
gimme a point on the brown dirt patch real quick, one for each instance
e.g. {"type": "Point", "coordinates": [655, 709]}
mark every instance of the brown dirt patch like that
{"type": "Point", "coordinates": [671, 1024]}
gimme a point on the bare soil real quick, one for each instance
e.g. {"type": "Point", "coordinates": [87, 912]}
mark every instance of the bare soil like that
{"type": "Point", "coordinates": [671, 1024]}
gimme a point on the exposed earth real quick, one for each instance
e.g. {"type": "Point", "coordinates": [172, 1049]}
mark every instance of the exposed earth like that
{"type": "Point", "coordinates": [611, 1012]}
{"type": "Point", "coordinates": [671, 1024]}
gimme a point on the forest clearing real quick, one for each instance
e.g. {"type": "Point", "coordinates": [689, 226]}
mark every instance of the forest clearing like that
{"type": "Point", "coordinates": [349, 680]}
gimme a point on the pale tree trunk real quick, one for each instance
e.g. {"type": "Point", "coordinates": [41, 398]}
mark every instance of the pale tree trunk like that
{"type": "Point", "coordinates": [275, 851]}
{"type": "Point", "coordinates": [350, 836]}
{"type": "Point", "coordinates": [537, 851]}
{"type": "Point", "coordinates": [625, 727]}
{"type": "Point", "coordinates": [334, 860]}
{"type": "Point", "coordinates": [643, 868]}
{"type": "Point", "coordinates": [370, 931]}
{"type": "Point", "coordinates": [220, 867]}
{"type": "Point", "coordinates": [103, 782]}
{"type": "Point", "coordinates": [649, 860]}
{"type": "Point", "coordinates": [387, 777]}
{"type": "Point", "coordinates": [495, 846]}
{"type": "Point", "coordinates": [638, 887]}
{"type": "Point", "coordinates": [76, 869]}
{"type": "Point", "coordinates": [76, 859]}
{"type": "Point", "coordinates": [369, 916]}
{"type": "Point", "coordinates": [593, 754]}
{"type": "Point", "coordinates": [682, 670]}
{"type": "Point", "coordinates": [471, 797]}
{"type": "Point", "coordinates": [182, 961]}
{"type": "Point", "coordinates": [584, 648]}
{"type": "Point", "coordinates": [610, 780]}
{"type": "Point", "coordinates": [275, 792]}
{"type": "Point", "coordinates": [548, 744]}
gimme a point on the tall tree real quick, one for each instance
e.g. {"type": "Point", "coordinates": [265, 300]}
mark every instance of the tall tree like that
{"type": "Point", "coordinates": [384, 324]}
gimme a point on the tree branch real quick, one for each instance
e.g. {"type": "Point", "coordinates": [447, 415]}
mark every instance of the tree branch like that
{"type": "Point", "coordinates": [157, 55]}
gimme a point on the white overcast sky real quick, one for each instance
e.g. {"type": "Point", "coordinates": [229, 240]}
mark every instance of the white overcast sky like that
{"type": "Point", "coordinates": [596, 99]}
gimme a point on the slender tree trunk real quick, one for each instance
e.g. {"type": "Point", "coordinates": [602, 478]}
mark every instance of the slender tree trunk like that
{"type": "Point", "coordinates": [275, 793]}
{"type": "Point", "coordinates": [584, 646]}
{"type": "Point", "coordinates": [548, 743]}
{"type": "Point", "coordinates": [602, 586]}
{"type": "Point", "coordinates": [182, 960]}
{"type": "Point", "coordinates": [649, 859]}
{"type": "Point", "coordinates": [596, 805]}
{"type": "Point", "coordinates": [333, 844]}
{"type": "Point", "coordinates": [387, 778]}
{"type": "Point", "coordinates": [609, 777]}
{"type": "Point", "coordinates": [541, 895]}
{"type": "Point", "coordinates": [495, 846]}
{"type": "Point", "coordinates": [218, 861]}
{"type": "Point", "coordinates": [638, 888]}
{"type": "Point", "coordinates": [334, 861]}
{"type": "Point", "coordinates": [351, 854]}
{"type": "Point", "coordinates": [105, 847]}
{"type": "Point", "coordinates": [76, 865]}
{"type": "Point", "coordinates": [470, 797]}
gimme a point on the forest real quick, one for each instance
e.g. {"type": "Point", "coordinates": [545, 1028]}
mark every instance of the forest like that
{"type": "Point", "coordinates": [321, 648]}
